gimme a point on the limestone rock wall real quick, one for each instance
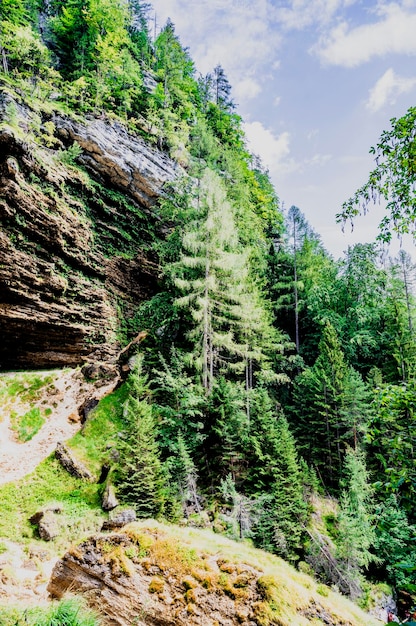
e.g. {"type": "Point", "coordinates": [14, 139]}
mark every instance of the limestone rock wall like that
{"type": "Point", "coordinates": [75, 248]}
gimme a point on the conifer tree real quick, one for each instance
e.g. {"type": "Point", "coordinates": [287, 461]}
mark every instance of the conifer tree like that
{"type": "Point", "coordinates": [327, 414]}
{"type": "Point", "coordinates": [221, 89]}
{"type": "Point", "coordinates": [274, 471]}
{"type": "Point", "coordinates": [139, 477]}
{"type": "Point", "coordinates": [395, 539]}
{"type": "Point", "coordinates": [210, 274]}
{"type": "Point", "coordinates": [356, 531]}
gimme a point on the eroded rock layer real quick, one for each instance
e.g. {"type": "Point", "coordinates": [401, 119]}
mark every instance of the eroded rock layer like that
{"type": "Point", "coordinates": [75, 245]}
{"type": "Point", "coordinates": [128, 586]}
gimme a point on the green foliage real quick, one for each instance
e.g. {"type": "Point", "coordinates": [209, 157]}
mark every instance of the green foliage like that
{"type": "Point", "coordinates": [394, 544]}
{"type": "Point", "coordinates": [19, 12]}
{"type": "Point", "coordinates": [100, 432]}
{"type": "Point", "coordinates": [139, 476]}
{"type": "Point", "coordinates": [329, 409]}
{"type": "Point", "coordinates": [207, 276]}
{"type": "Point", "coordinates": [70, 155]}
{"type": "Point", "coordinates": [179, 405]}
{"type": "Point", "coordinates": [25, 51]}
{"type": "Point", "coordinates": [355, 531]}
{"type": "Point", "coordinates": [274, 470]}
{"type": "Point", "coordinates": [68, 612]}
{"type": "Point", "coordinates": [393, 179]}
{"type": "Point", "coordinates": [227, 430]}
{"type": "Point", "coordinates": [391, 443]}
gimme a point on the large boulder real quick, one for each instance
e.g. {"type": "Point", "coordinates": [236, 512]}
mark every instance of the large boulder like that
{"type": "Point", "coordinates": [48, 522]}
{"type": "Point", "coordinates": [109, 500]}
{"type": "Point", "coordinates": [118, 519]}
{"type": "Point", "coordinates": [71, 464]}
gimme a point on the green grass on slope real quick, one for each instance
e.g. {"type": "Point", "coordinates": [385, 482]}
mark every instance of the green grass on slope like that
{"type": "Point", "coordinates": [70, 612]}
{"type": "Point", "coordinates": [92, 445]}
{"type": "Point", "coordinates": [27, 386]}
{"type": "Point", "coordinates": [27, 425]}
{"type": "Point", "coordinates": [51, 484]}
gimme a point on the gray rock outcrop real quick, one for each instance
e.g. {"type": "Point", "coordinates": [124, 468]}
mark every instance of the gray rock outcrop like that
{"type": "Point", "coordinates": [109, 500]}
{"type": "Point", "coordinates": [71, 464]}
{"type": "Point", "coordinates": [75, 250]}
{"type": "Point", "coordinates": [118, 519]}
{"type": "Point", "coordinates": [48, 522]}
{"type": "Point", "coordinates": [128, 162]}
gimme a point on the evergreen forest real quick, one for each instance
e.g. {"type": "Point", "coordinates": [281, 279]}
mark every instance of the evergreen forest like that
{"type": "Point", "coordinates": [273, 396]}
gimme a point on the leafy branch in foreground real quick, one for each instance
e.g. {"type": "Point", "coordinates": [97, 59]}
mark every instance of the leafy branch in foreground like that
{"type": "Point", "coordinates": [393, 179]}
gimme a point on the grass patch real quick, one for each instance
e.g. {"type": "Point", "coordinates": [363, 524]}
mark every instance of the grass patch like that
{"type": "Point", "coordinates": [93, 442]}
{"type": "Point", "coordinates": [49, 483]}
{"type": "Point", "coordinates": [27, 386]}
{"type": "Point", "coordinates": [27, 425]}
{"type": "Point", "coordinates": [287, 597]}
{"type": "Point", "coordinates": [69, 612]}
{"type": "Point", "coordinates": [80, 500]}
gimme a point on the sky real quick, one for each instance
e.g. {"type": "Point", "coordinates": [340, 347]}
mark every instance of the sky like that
{"type": "Point", "coordinates": [316, 82]}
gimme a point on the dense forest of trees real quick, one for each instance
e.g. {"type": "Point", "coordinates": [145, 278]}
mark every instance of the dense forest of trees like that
{"type": "Point", "coordinates": [272, 375]}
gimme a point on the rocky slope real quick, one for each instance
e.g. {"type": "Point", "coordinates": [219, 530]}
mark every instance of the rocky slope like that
{"type": "Point", "coordinates": [75, 247]}
{"type": "Point", "coordinates": [153, 575]}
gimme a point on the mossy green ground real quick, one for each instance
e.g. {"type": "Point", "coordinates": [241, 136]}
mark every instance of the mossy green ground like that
{"type": "Point", "coordinates": [50, 483]}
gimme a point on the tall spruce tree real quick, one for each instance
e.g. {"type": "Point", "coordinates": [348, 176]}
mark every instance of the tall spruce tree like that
{"type": "Point", "coordinates": [138, 476]}
{"type": "Point", "coordinates": [325, 415]}
{"type": "Point", "coordinates": [274, 473]}
{"type": "Point", "coordinates": [210, 274]}
{"type": "Point", "coordinates": [356, 534]}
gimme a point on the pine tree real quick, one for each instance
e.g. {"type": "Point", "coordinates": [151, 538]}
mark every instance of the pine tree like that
{"type": "Point", "coordinates": [394, 543]}
{"type": "Point", "coordinates": [356, 530]}
{"type": "Point", "coordinates": [210, 274]}
{"type": "Point", "coordinates": [398, 338]}
{"type": "Point", "coordinates": [138, 477]}
{"type": "Point", "coordinates": [274, 473]}
{"type": "Point", "coordinates": [74, 39]}
{"type": "Point", "coordinates": [221, 89]}
{"type": "Point", "coordinates": [327, 414]}
{"type": "Point", "coordinates": [227, 430]}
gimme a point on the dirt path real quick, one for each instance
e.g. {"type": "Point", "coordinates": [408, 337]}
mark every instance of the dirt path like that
{"type": "Point", "coordinates": [25, 572]}
{"type": "Point", "coordinates": [70, 390]}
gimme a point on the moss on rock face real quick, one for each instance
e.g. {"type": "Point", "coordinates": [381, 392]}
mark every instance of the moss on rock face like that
{"type": "Point", "coordinates": [166, 581]}
{"type": "Point", "coordinates": [81, 229]}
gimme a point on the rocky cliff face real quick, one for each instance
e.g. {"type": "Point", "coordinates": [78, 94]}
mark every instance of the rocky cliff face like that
{"type": "Point", "coordinates": [75, 245]}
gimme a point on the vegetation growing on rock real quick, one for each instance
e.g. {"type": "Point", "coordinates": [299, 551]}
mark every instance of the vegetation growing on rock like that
{"type": "Point", "coordinates": [271, 375]}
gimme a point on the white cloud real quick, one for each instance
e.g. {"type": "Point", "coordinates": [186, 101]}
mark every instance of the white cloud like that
{"type": "Point", "coordinates": [387, 89]}
{"type": "Point", "coordinates": [317, 160]}
{"type": "Point", "coordinates": [276, 101]}
{"type": "Point", "coordinates": [300, 14]}
{"type": "Point", "coordinates": [240, 35]}
{"type": "Point", "coordinates": [392, 33]}
{"type": "Point", "coordinates": [246, 89]}
{"type": "Point", "coordinates": [272, 150]}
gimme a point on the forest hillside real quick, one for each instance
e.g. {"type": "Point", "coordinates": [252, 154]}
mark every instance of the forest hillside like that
{"type": "Point", "coordinates": [220, 370]}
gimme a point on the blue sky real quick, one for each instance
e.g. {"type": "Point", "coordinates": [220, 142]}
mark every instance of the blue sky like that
{"type": "Point", "coordinates": [316, 82]}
